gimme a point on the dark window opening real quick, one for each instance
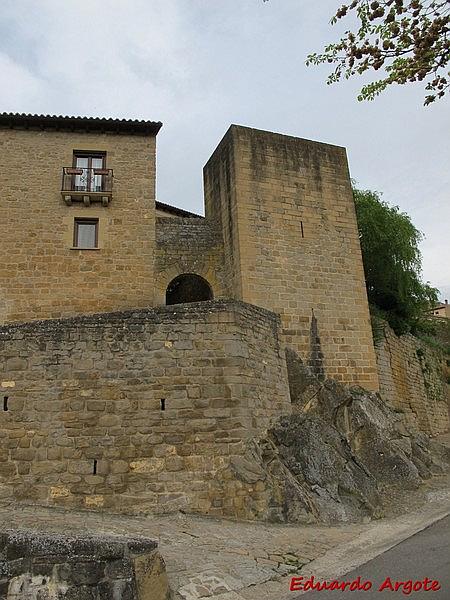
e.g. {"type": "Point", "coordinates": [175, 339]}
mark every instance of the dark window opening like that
{"type": "Point", "coordinates": [163, 404]}
{"type": "Point", "coordinates": [85, 233]}
{"type": "Point", "coordinates": [301, 226]}
{"type": "Point", "coordinates": [5, 403]}
{"type": "Point", "coordinates": [188, 288]}
{"type": "Point", "coordinates": [94, 470]}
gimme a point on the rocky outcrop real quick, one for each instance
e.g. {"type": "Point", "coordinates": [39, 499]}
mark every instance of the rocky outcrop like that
{"type": "Point", "coordinates": [339, 455]}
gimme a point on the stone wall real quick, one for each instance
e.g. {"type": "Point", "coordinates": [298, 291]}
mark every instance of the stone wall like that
{"type": "Point", "coordinates": [189, 245]}
{"type": "Point", "coordinates": [291, 241]}
{"type": "Point", "coordinates": [411, 378]}
{"type": "Point", "coordinates": [41, 274]}
{"type": "Point", "coordinates": [219, 183]}
{"type": "Point", "coordinates": [139, 411]}
{"type": "Point", "coordinates": [37, 566]}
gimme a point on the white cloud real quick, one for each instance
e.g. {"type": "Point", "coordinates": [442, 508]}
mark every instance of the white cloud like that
{"type": "Point", "coordinates": [19, 85]}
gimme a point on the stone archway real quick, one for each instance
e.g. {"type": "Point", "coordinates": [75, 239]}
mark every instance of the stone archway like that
{"type": "Point", "coordinates": [188, 287]}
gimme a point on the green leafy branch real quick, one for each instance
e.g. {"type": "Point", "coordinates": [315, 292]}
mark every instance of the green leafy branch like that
{"type": "Point", "coordinates": [410, 40]}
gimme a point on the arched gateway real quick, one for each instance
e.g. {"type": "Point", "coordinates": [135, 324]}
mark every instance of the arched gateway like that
{"type": "Point", "coordinates": [188, 287]}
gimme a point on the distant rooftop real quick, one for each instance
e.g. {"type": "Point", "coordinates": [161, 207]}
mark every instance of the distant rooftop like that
{"type": "Point", "coordinates": [63, 123]}
{"type": "Point", "coordinates": [174, 210]}
{"type": "Point", "coordinates": [441, 305]}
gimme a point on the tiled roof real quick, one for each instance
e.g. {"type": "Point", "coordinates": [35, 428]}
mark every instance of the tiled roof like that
{"type": "Point", "coordinates": [59, 122]}
{"type": "Point", "coordinates": [176, 211]}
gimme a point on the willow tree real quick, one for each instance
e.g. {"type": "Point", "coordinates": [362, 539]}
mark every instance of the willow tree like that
{"type": "Point", "coordinates": [393, 263]}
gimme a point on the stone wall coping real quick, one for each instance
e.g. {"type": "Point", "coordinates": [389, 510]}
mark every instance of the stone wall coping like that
{"type": "Point", "coordinates": [176, 313]}
{"type": "Point", "coordinates": [21, 543]}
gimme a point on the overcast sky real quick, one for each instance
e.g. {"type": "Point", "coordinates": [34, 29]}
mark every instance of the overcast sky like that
{"type": "Point", "coordinates": [200, 65]}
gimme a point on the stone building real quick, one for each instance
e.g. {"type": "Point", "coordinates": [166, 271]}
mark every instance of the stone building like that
{"type": "Point", "coordinates": [78, 196]}
{"type": "Point", "coordinates": [85, 235]}
{"type": "Point", "coordinates": [143, 347]}
{"type": "Point", "coordinates": [441, 310]}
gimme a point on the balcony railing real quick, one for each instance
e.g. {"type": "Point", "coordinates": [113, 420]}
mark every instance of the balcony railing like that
{"type": "Point", "coordinates": [86, 185]}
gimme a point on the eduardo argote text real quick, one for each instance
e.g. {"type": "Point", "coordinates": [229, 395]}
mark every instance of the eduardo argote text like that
{"type": "Point", "coordinates": [406, 587]}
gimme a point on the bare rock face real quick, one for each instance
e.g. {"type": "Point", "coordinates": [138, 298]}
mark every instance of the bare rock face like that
{"type": "Point", "coordinates": [340, 452]}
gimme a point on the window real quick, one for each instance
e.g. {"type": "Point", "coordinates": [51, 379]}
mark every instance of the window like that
{"type": "Point", "coordinates": [85, 233]}
{"type": "Point", "coordinates": [90, 171]}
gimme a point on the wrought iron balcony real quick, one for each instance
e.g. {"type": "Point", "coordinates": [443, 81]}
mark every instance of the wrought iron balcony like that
{"type": "Point", "coordinates": [87, 185]}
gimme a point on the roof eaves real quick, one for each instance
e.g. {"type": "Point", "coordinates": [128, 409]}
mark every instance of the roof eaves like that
{"type": "Point", "coordinates": [72, 123]}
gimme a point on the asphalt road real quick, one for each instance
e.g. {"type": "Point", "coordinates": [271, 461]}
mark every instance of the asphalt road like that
{"type": "Point", "coordinates": [426, 554]}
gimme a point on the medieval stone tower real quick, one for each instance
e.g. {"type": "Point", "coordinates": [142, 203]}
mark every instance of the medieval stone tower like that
{"type": "Point", "coordinates": [287, 217]}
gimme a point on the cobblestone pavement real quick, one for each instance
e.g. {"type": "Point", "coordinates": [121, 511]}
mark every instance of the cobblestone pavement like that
{"type": "Point", "coordinates": [204, 557]}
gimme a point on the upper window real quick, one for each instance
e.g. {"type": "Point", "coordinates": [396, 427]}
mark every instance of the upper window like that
{"type": "Point", "coordinates": [90, 171]}
{"type": "Point", "coordinates": [85, 234]}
